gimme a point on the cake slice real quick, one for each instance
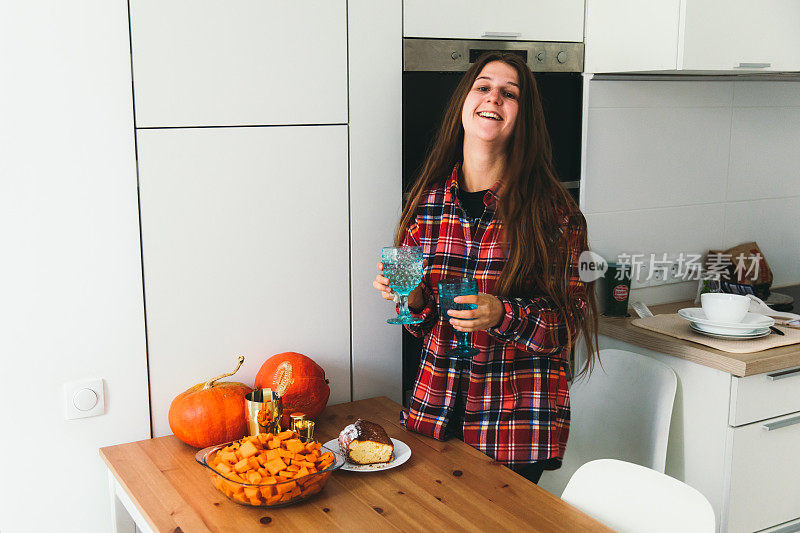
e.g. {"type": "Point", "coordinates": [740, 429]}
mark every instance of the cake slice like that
{"type": "Point", "coordinates": [365, 443]}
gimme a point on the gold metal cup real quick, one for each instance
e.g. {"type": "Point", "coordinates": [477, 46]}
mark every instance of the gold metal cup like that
{"type": "Point", "coordinates": [264, 411]}
{"type": "Point", "coordinates": [305, 428]}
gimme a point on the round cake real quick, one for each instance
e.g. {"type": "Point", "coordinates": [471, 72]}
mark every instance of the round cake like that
{"type": "Point", "coordinates": [365, 443]}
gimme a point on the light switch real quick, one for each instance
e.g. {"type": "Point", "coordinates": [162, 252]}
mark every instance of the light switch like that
{"type": "Point", "coordinates": [83, 399]}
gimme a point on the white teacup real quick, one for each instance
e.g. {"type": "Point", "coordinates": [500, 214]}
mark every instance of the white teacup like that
{"type": "Point", "coordinates": [722, 307]}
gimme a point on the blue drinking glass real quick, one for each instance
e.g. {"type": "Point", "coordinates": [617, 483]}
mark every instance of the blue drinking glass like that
{"type": "Point", "coordinates": [448, 290]}
{"type": "Point", "coordinates": [402, 266]}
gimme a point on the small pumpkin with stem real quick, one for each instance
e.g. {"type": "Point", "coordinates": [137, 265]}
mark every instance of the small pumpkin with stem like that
{"type": "Point", "coordinates": [210, 413]}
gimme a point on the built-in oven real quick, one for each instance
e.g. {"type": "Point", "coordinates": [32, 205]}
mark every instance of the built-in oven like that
{"type": "Point", "coordinates": [431, 71]}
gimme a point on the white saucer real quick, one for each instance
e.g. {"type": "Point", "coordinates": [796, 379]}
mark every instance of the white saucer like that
{"type": "Point", "coordinates": [401, 454]}
{"type": "Point", "coordinates": [752, 322]}
{"type": "Point", "coordinates": [739, 337]}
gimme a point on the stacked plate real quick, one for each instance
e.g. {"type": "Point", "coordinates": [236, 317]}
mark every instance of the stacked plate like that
{"type": "Point", "coordinates": [753, 326]}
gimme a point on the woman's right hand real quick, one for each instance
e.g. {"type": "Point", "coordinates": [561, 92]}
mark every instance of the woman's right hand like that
{"type": "Point", "coordinates": [416, 300]}
{"type": "Point", "coordinates": [382, 284]}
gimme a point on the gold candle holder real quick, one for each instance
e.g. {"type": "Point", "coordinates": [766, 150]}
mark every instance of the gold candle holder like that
{"type": "Point", "coordinates": [305, 428]}
{"type": "Point", "coordinates": [294, 418]}
{"type": "Point", "coordinates": [264, 411]}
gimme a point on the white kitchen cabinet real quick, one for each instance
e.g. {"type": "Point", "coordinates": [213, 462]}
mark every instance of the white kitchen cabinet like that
{"type": "Point", "coordinates": [741, 35]}
{"type": "Point", "coordinates": [631, 35]}
{"type": "Point", "coordinates": [692, 36]}
{"type": "Point", "coordinates": [531, 20]}
{"type": "Point", "coordinates": [245, 252]}
{"type": "Point", "coordinates": [243, 62]}
{"type": "Point", "coordinates": [763, 469]}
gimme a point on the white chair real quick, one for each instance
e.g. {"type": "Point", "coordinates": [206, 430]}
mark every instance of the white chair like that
{"type": "Point", "coordinates": [632, 499]}
{"type": "Point", "coordinates": [621, 411]}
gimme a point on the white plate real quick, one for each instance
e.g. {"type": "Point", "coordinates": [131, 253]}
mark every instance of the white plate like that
{"type": "Point", "coordinates": [751, 322]}
{"type": "Point", "coordinates": [761, 333]}
{"type": "Point", "coordinates": [400, 455]}
{"type": "Point", "coordinates": [725, 331]}
{"type": "Point", "coordinates": [755, 334]}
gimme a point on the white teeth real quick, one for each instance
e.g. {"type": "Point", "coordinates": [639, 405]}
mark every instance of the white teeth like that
{"type": "Point", "coordinates": [489, 114]}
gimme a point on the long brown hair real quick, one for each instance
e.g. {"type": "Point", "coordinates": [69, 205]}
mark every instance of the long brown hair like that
{"type": "Point", "coordinates": [533, 203]}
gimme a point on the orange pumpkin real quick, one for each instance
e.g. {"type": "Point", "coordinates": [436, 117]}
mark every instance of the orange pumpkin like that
{"type": "Point", "coordinates": [300, 382]}
{"type": "Point", "coordinates": [210, 413]}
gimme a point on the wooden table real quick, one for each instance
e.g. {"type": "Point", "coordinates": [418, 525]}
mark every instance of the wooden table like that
{"type": "Point", "coordinates": [444, 486]}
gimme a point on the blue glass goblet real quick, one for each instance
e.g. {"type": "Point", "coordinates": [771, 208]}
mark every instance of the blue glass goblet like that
{"type": "Point", "coordinates": [448, 290]}
{"type": "Point", "coordinates": [402, 266]}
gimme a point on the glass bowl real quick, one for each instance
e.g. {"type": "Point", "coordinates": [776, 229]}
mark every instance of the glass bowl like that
{"type": "Point", "coordinates": [272, 494]}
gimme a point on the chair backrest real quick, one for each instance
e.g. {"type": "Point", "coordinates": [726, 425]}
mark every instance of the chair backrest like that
{"type": "Point", "coordinates": [621, 411]}
{"type": "Point", "coordinates": [631, 498]}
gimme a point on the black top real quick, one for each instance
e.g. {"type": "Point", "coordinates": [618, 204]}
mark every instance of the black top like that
{"type": "Point", "coordinates": [472, 202]}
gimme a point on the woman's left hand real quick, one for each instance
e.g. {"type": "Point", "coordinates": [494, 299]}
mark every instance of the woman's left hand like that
{"type": "Point", "coordinates": [488, 314]}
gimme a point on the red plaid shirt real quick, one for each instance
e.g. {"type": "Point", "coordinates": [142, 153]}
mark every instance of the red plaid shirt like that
{"type": "Point", "coordinates": [517, 401]}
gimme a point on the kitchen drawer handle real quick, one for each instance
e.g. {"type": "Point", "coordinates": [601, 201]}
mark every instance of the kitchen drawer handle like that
{"type": "Point", "coordinates": [781, 423]}
{"type": "Point", "coordinates": [501, 34]}
{"type": "Point", "coordinates": [754, 65]}
{"type": "Point", "coordinates": [784, 374]}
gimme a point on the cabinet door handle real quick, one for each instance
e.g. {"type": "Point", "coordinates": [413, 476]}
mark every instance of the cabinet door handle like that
{"type": "Point", "coordinates": [781, 423]}
{"type": "Point", "coordinates": [754, 65]}
{"type": "Point", "coordinates": [501, 34]}
{"type": "Point", "coordinates": [784, 374]}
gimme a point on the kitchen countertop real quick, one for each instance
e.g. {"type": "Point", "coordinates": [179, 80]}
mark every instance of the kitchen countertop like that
{"type": "Point", "coordinates": [737, 364]}
{"type": "Point", "coordinates": [444, 486]}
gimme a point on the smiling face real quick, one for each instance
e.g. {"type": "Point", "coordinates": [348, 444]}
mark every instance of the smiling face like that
{"type": "Point", "coordinates": [491, 106]}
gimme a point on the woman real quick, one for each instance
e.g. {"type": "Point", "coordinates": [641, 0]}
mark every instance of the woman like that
{"type": "Point", "coordinates": [487, 205]}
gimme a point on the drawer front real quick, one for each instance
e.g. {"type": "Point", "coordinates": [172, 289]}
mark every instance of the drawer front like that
{"type": "Point", "coordinates": [764, 396]}
{"type": "Point", "coordinates": [761, 485]}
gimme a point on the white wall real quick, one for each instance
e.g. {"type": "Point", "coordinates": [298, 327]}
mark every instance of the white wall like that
{"type": "Point", "coordinates": [684, 166]}
{"type": "Point", "coordinates": [71, 304]}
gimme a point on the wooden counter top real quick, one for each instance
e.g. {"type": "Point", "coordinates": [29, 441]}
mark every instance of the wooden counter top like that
{"type": "Point", "coordinates": [444, 486]}
{"type": "Point", "coordinates": [737, 364]}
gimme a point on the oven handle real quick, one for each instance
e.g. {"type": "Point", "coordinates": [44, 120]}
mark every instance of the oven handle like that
{"type": "Point", "coordinates": [501, 34]}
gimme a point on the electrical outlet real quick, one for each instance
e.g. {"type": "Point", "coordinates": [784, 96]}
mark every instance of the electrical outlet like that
{"type": "Point", "coordinates": [640, 277]}
{"type": "Point", "coordinates": [674, 274]}
{"type": "Point", "coordinates": [659, 277]}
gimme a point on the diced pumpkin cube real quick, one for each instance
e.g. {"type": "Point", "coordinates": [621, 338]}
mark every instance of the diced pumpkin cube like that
{"type": "Point", "coordinates": [292, 468]}
{"type": "Point", "coordinates": [302, 472]}
{"type": "Point", "coordinates": [225, 468]}
{"type": "Point", "coordinates": [272, 454]}
{"type": "Point", "coordinates": [294, 445]}
{"type": "Point", "coordinates": [285, 487]}
{"type": "Point", "coordinates": [285, 453]}
{"type": "Point", "coordinates": [275, 466]}
{"type": "Point", "coordinates": [283, 435]}
{"type": "Point", "coordinates": [255, 501]}
{"type": "Point", "coordinates": [295, 492]}
{"type": "Point", "coordinates": [274, 444]}
{"type": "Point", "coordinates": [266, 491]}
{"type": "Point", "coordinates": [253, 462]}
{"type": "Point", "coordinates": [237, 478]}
{"type": "Point", "coordinates": [263, 472]}
{"type": "Point", "coordinates": [241, 466]}
{"type": "Point", "coordinates": [248, 449]}
{"type": "Point", "coordinates": [229, 457]}
{"type": "Point", "coordinates": [254, 477]}
{"type": "Point", "coordinates": [262, 458]}
{"type": "Point", "coordinates": [274, 499]}
{"type": "Point", "coordinates": [251, 492]}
